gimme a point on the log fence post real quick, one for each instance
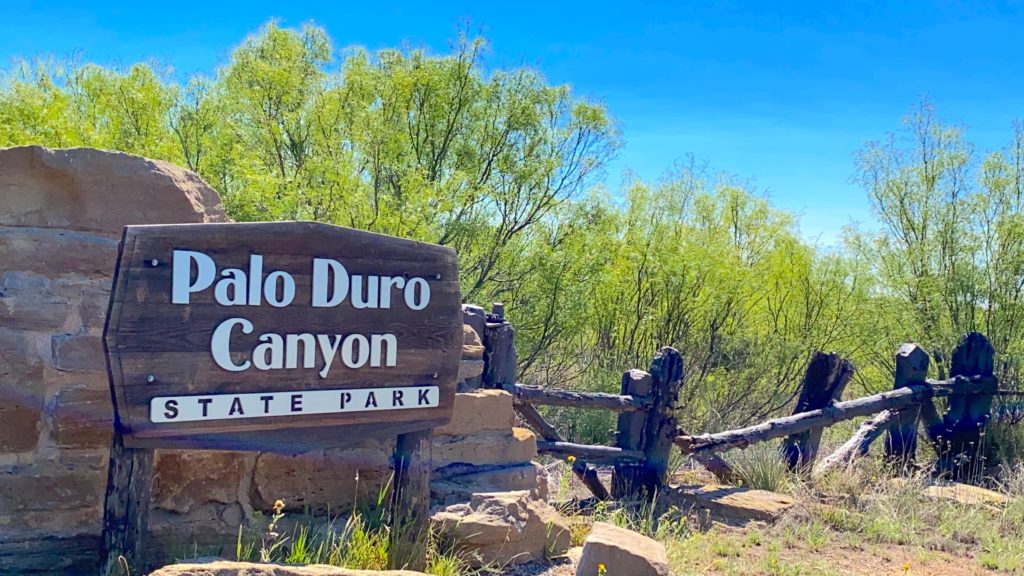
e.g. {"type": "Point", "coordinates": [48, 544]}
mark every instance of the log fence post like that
{"type": "Point", "coordinates": [667, 371]}
{"type": "Point", "coordinates": [652, 431]}
{"type": "Point", "coordinates": [826, 377]}
{"type": "Point", "coordinates": [627, 477]}
{"type": "Point", "coordinates": [960, 440]}
{"type": "Point", "coordinates": [901, 441]}
{"type": "Point", "coordinates": [499, 349]}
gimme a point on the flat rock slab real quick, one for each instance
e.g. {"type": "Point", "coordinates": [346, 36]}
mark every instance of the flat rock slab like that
{"type": "Point", "coordinates": [732, 503]}
{"type": "Point", "coordinates": [966, 494]}
{"type": "Point", "coordinates": [621, 552]}
{"type": "Point", "coordinates": [504, 447]}
{"type": "Point", "coordinates": [226, 568]}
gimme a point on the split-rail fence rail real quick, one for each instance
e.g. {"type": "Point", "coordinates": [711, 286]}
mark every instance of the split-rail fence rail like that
{"type": "Point", "coordinates": [648, 430]}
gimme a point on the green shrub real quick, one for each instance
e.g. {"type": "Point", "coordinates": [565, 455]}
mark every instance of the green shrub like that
{"type": "Point", "coordinates": [761, 467]}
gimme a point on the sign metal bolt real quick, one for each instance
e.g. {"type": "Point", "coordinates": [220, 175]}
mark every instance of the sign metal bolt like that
{"type": "Point", "coordinates": [150, 378]}
{"type": "Point", "coordinates": [154, 262]}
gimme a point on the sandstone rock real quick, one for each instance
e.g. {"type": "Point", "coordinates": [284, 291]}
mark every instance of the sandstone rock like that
{"type": "Point", "coordinates": [21, 392]}
{"type": "Point", "coordinates": [966, 494]}
{"type": "Point", "coordinates": [210, 530]}
{"type": "Point", "coordinates": [621, 551]}
{"type": "Point", "coordinates": [27, 304]}
{"type": "Point", "coordinates": [479, 411]}
{"type": "Point", "coordinates": [48, 488]}
{"type": "Point", "coordinates": [183, 481]}
{"type": "Point", "coordinates": [91, 190]}
{"type": "Point", "coordinates": [470, 369]}
{"type": "Point", "coordinates": [472, 347]}
{"type": "Point", "coordinates": [458, 481]}
{"type": "Point", "coordinates": [57, 252]}
{"type": "Point", "coordinates": [61, 214]}
{"type": "Point", "coordinates": [730, 503]}
{"type": "Point", "coordinates": [226, 568]}
{"type": "Point", "coordinates": [323, 480]}
{"type": "Point", "coordinates": [93, 296]}
{"type": "Point", "coordinates": [81, 417]}
{"type": "Point", "coordinates": [34, 553]}
{"type": "Point", "coordinates": [495, 447]}
{"type": "Point", "coordinates": [503, 528]}
{"type": "Point", "coordinates": [83, 352]}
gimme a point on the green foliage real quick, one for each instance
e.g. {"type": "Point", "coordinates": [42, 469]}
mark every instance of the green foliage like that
{"type": "Point", "coordinates": [761, 467]}
{"type": "Point", "coordinates": [506, 168]}
{"type": "Point", "coordinates": [950, 255]}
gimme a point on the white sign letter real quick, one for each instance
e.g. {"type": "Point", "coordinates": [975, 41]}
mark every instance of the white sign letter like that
{"type": "Point", "coordinates": [181, 270]}
{"type": "Point", "coordinates": [412, 299]}
{"type": "Point", "coordinates": [220, 344]}
{"type": "Point", "coordinates": [324, 270]}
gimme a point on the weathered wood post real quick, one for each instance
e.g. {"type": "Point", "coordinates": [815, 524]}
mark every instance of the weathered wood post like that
{"type": "Point", "coordinates": [126, 507]}
{"type": "Point", "coordinates": [824, 382]}
{"type": "Point", "coordinates": [901, 442]}
{"type": "Point", "coordinates": [656, 434]}
{"type": "Point", "coordinates": [667, 371]}
{"type": "Point", "coordinates": [410, 501]}
{"type": "Point", "coordinates": [959, 443]}
{"type": "Point", "coordinates": [500, 372]}
{"type": "Point", "coordinates": [627, 477]}
{"type": "Point", "coordinates": [499, 349]}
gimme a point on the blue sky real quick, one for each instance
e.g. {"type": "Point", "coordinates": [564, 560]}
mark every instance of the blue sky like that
{"type": "Point", "coordinates": [781, 95]}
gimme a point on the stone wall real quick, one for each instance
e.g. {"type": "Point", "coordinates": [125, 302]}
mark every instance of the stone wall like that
{"type": "Point", "coordinates": [61, 215]}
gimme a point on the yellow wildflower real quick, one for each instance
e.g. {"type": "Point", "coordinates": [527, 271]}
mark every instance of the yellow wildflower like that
{"type": "Point", "coordinates": [601, 570]}
{"type": "Point", "coordinates": [906, 566]}
{"type": "Point", "coordinates": [278, 506]}
{"type": "Point", "coordinates": [570, 459]}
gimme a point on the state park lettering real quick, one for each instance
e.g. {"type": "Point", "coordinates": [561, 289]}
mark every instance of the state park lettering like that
{"type": "Point", "coordinates": [194, 272]}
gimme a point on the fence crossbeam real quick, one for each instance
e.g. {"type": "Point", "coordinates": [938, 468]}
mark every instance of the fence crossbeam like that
{"type": "Point", "coordinates": [603, 454]}
{"type": "Point", "coordinates": [865, 406]}
{"type": "Point", "coordinates": [538, 396]}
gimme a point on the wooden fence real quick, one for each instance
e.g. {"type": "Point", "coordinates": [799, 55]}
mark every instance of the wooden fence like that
{"type": "Point", "coordinates": [647, 427]}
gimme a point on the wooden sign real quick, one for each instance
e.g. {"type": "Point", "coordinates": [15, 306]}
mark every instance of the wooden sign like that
{"type": "Point", "coordinates": [280, 336]}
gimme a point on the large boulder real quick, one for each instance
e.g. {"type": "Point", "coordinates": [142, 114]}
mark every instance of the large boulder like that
{"type": "Point", "coordinates": [621, 551]}
{"type": "Point", "coordinates": [503, 528]}
{"type": "Point", "coordinates": [225, 568]}
{"type": "Point", "coordinates": [96, 191]}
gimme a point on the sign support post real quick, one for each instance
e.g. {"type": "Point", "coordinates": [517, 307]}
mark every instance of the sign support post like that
{"type": "Point", "coordinates": [126, 506]}
{"type": "Point", "coordinates": [410, 501]}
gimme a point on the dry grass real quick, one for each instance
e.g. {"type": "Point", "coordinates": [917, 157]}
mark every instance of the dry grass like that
{"type": "Point", "coordinates": [864, 522]}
